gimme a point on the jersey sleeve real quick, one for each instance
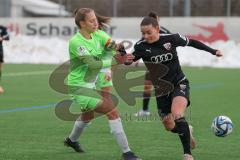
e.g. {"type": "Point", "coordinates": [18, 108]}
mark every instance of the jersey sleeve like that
{"type": "Point", "coordinates": [180, 40]}
{"type": "Point", "coordinates": [137, 53]}
{"type": "Point", "coordinates": [105, 39]}
{"type": "Point", "coordinates": [107, 42]}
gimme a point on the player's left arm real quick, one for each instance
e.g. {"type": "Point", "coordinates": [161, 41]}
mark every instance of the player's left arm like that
{"type": "Point", "coordinates": [184, 41]}
{"type": "Point", "coordinates": [201, 46]}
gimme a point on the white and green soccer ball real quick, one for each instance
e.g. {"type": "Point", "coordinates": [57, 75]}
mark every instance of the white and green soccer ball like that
{"type": "Point", "coordinates": [222, 126]}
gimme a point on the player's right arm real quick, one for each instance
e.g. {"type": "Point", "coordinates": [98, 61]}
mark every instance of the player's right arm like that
{"type": "Point", "coordinates": [135, 55]}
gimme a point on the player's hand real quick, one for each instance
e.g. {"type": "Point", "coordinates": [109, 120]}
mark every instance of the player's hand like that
{"type": "Point", "coordinates": [126, 59]}
{"type": "Point", "coordinates": [219, 53]}
{"type": "Point", "coordinates": [120, 59]}
{"type": "Point", "coordinates": [1, 39]}
{"type": "Point", "coordinates": [129, 59]}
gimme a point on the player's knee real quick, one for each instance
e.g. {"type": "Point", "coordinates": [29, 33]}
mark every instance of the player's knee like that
{"type": "Point", "coordinates": [168, 123]}
{"type": "Point", "coordinates": [87, 116]}
{"type": "Point", "coordinates": [112, 115]}
{"type": "Point", "coordinates": [147, 89]}
{"type": "Point", "coordinates": [106, 95]}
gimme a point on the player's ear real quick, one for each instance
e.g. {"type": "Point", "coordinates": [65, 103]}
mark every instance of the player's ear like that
{"type": "Point", "coordinates": [82, 23]}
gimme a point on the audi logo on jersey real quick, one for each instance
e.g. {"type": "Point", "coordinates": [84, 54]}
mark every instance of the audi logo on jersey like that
{"type": "Point", "coordinates": [162, 58]}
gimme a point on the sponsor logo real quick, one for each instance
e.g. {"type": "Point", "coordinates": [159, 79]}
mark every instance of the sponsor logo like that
{"type": "Point", "coordinates": [162, 58]}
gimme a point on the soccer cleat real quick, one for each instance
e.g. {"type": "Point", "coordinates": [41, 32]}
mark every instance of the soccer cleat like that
{"type": "Point", "coordinates": [187, 157]}
{"type": "Point", "coordinates": [129, 156]}
{"type": "Point", "coordinates": [75, 145]}
{"type": "Point", "coordinates": [1, 90]}
{"type": "Point", "coordinates": [142, 113]}
{"type": "Point", "coordinates": [192, 139]}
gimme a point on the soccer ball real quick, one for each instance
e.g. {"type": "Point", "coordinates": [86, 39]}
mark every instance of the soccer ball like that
{"type": "Point", "coordinates": [222, 126]}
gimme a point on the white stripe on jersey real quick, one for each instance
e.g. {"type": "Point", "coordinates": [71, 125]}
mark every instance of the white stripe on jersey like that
{"type": "Point", "coordinates": [139, 42]}
{"type": "Point", "coordinates": [187, 41]}
{"type": "Point", "coordinates": [184, 38]}
{"type": "Point", "coordinates": [166, 34]}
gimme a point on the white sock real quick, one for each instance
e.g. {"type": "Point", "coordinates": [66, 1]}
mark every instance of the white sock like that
{"type": "Point", "coordinates": [117, 130]}
{"type": "Point", "coordinates": [77, 130]}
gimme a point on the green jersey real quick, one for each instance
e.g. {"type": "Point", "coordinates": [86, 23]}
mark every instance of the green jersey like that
{"type": "Point", "coordinates": [86, 58]}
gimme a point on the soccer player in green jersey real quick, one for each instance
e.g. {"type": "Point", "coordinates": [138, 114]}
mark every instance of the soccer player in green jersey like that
{"type": "Point", "coordinates": [86, 49]}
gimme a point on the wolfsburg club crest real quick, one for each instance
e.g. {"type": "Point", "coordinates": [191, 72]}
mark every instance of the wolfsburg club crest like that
{"type": "Point", "coordinates": [168, 46]}
{"type": "Point", "coordinates": [82, 50]}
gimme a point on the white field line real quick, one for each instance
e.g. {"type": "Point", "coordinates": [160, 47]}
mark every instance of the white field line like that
{"type": "Point", "coordinates": [27, 73]}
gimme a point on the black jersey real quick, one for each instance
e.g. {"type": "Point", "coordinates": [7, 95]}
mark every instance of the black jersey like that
{"type": "Point", "coordinates": [3, 34]}
{"type": "Point", "coordinates": [162, 52]}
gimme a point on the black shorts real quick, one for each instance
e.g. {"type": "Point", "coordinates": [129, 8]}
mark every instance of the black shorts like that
{"type": "Point", "coordinates": [1, 55]}
{"type": "Point", "coordinates": [164, 103]}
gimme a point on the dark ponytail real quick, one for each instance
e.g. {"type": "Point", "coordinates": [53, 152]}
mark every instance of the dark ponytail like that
{"type": "Point", "coordinates": [151, 19]}
{"type": "Point", "coordinates": [153, 15]}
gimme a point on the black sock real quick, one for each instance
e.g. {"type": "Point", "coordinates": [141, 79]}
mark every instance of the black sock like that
{"type": "Point", "coordinates": [146, 99]}
{"type": "Point", "coordinates": [182, 128]}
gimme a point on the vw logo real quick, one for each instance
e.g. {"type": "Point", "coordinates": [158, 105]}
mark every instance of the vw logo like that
{"type": "Point", "coordinates": [162, 58]}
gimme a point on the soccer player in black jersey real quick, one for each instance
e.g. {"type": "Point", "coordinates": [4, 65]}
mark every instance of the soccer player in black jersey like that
{"type": "Point", "coordinates": [147, 82]}
{"type": "Point", "coordinates": [3, 36]}
{"type": "Point", "coordinates": [158, 52]}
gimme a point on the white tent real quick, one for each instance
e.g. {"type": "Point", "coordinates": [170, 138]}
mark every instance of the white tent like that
{"type": "Point", "coordinates": [37, 8]}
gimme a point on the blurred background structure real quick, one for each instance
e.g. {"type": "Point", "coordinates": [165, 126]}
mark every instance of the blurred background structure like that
{"type": "Point", "coordinates": [120, 8]}
{"type": "Point", "coordinates": [32, 21]}
{"type": "Point", "coordinates": [32, 8]}
{"type": "Point", "coordinates": [39, 33]}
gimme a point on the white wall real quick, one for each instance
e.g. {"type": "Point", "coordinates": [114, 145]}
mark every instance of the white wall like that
{"type": "Point", "coordinates": [121, 27]}
{"type": "Point", "coordinates": [45, 46]}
